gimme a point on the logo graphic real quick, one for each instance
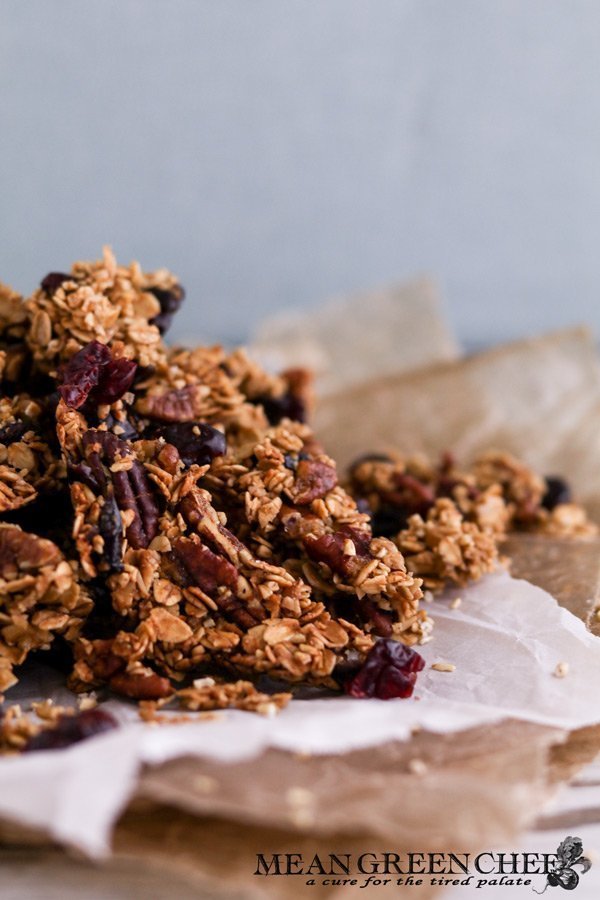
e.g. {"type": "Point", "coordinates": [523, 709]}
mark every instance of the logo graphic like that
{"type": "Point", "coordinates": [568, 855]}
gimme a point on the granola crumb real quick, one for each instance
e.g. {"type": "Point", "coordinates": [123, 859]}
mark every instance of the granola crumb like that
{"type": "Point", "coordinates": [87, 701]}
{"type": "Point", "coordinates": [205, 784]}
{"type": "Point", "coordinates": [418, 766]}
{"type": "Point", "coordinates": [299, 796]}
{"type": "Point", "coordinates": [443, 666]}
{"type": "Point", "coordinates": [456, 603]}
{"type": "Point", "coordinates": [302, 818]}
{"type": "Point", "coordinates": [561, 670]}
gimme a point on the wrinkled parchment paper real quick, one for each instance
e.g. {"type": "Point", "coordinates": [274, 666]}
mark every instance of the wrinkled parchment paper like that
{"type": "Point", "coordinates": [339, 342]}
{"type": "Point", "coordinates": [538, 398]}
{"type": "Point", "coordinates": [505, 639]}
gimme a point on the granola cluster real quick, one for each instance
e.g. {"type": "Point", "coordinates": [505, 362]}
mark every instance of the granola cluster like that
{"type": "Point", "coordinates": [169, 515]}
{"type": "Point", "coordinates": [449, 522]}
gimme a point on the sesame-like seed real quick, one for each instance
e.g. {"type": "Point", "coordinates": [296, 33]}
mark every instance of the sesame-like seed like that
{"type": "Point", "coordinates": [443, 667]}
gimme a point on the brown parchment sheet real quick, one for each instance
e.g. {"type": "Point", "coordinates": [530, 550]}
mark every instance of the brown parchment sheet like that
{"type": "Point", "coordinates": [339, 342]}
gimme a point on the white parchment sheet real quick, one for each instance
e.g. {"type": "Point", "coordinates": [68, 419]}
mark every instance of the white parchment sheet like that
{"type": "Point", "coordinates": [505, 639]}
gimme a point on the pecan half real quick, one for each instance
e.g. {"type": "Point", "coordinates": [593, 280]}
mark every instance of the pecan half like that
{"type": "Point", "coordinates": [217, 577]}
{"type": "Point", "coordinates": [131, 486]}
{"type": "Point", "coordinates": [314, 478]}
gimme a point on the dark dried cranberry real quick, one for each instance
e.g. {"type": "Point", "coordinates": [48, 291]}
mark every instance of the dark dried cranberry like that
{"type": "Point", "coordinates": [170, 301]}
{"type": "Point", "coordinates": [388, 520]}
{"type": "Point", "coordinates": [72, 729]}
{"type": "Point", "coordinates": [390, 670]}
{"type": "Point", "coordinates": [125, 428]}
{"type": "Point", "coordinates": [103, 622]}
{"type": "Point", "coordinates": [110, 527]}
{"type": "Point", "coordinates": [12, 432]}
{"type": "Point", "coordinates": [290, 462]}
{"type": "Point", "coordinates": [82, 472]}
{"type": "Point", "coordinates": [557, 491]}
{"type": "Point", "coordinates": [53, 281]}
{"type": "Point", "coordinates": [288, 406]}
{"type": "Point", "coordinates": [369, 457]}
{"type": "Point", "coordinates": [198, 444]}
{"type": "Point", "coordinates": [93, 373]}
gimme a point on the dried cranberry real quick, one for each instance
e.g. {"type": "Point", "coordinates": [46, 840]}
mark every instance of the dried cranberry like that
{"type": "Point", "coordinates": [93, 373]}
{"type": "Point", "coordinates": [53, 281]}
{"type": "Point", "coordinates": [110, 527]}
{"type": "Point", "coordinates": [557, 491]}
{"type": "Point", "coordinates": [170, 301]}
{"type": "Point", "coordinates": [12, 432]}
{"type": "Point", "coordinates": [290, 462]}
{"type": "Point", "coordinates": [390, 670]}
{"type": "Point", "coordinates": [369, 457]}
{"type": "Point", "coordinates": [288, 406]}
{"type": "Point", "coordinates": [198, 444]}
{"type": "Point", "coordinates": [72, 729]}
{"type": "Point", "coordinates": [388, 520]}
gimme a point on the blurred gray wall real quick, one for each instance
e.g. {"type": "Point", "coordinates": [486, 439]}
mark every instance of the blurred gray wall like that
{"type": "Point", "coordinates": [274, 152]}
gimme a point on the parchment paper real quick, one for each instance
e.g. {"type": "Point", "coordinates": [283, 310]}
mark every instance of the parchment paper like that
{"type": "Point", "coordinates": [350, 339]}
{"type": "Point", "coordinates": [505, 640]}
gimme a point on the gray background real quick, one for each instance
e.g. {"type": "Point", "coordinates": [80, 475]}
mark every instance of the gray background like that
{"type": "Point", "coordinates": [275, 152]}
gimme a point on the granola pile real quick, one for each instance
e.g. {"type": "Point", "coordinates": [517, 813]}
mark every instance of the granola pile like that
{"type": "Point", "coordinates": [449, 523]}
{"type": "Point", "coordinates": [169, 525]}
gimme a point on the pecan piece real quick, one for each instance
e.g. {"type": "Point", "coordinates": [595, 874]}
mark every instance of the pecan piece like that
{"type": "Point", "coordinates": [211, 573]}
{"type": "Point", "coordinates": [332, 549]}
{"type": "Point", "coordinates": [314, 478]}
{"type": "Point", "coordinates": [208, 570]}
{"type": "Point", "coordinates": [178, 405]}
{"type": "Point", "coordinates": [131, 485]}
{"type": "Point", "coordinates": [144, 685]}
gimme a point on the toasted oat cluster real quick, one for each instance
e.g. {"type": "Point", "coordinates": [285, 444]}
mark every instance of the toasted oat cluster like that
{"type": "Point", "coordinates": [169, 525]}
{"type": "Point", "coordinates": [448, 523]}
